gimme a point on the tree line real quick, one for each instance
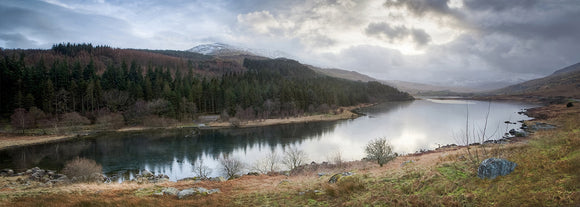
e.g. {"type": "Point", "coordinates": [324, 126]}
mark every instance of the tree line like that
{"type": "Point", "coordinates": [127, 92]}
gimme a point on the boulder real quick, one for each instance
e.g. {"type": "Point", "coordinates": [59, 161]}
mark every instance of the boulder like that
{"type": "Point", "coordinates": [336, 177]}
{"type": "Point", "coordinates": [254, 173]}
{"type": "Point", "coordinates": [193, 191]}
{"type": "Point", "coordinates": [493, 167]}
{"type": "Point", "coordinates": [146, 173]}
{"type": "Point", "coordinates": [219, 179]}
{"type": "Point", "coordinates": [186, 193]}
{"type": "Point", "coordinates": [6, 172]}
{"type": "Point", "coordinates": [170, 191]}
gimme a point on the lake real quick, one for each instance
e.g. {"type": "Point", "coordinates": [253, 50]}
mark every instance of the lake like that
{"type": "Point", "coordinates": [409, 126]}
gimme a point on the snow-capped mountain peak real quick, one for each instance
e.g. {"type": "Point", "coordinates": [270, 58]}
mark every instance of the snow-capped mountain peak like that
{"type": "Point", "coordinates": [221, 49]}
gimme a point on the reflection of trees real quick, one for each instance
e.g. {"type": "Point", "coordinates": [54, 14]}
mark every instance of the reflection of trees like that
{"type": "Point", "coordinates": [158, 149]}
{"type": "Point", "coordinates": [49, 156]}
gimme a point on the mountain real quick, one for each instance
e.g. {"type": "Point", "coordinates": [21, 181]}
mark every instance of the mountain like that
{"type": "Point", "coordinates": [344, 74]}
{"type": "Point", "coordinates": [225, 50]}
{"type": "Point", "coordinates": [564, 82]}
{"type": "Point", "coordinates": [409, 87]}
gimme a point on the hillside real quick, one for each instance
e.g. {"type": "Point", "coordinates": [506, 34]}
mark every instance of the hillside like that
{"type": "Point", "coordinates": [73, 82]}
{"type": "Point", "coordinates": [408, 87]}
{"type": "Point", "coordinates": [564, 82]}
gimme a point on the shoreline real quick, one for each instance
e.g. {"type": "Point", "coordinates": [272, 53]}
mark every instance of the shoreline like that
{"type": "Point", "coordinates": [9, 140]}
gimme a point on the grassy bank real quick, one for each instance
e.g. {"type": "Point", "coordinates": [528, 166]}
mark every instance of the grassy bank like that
{"type": "Point", "coordinates": [546, 175]}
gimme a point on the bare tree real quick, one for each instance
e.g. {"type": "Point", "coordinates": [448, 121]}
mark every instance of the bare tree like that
{"type": "Point", "coordinates": [336, 158]}
{"type": "Point", "coordinates": [20, 119]}
{"type": "Point", "coordinates": [380, 150]}
{"type": "Point", "coordinates": [294, 157]}
{"type": "Point", "coordinates": [200, 169]}
{"type": "Point", "coordinates": [230, 166]}
{"type": "Point", "coordinates": [267, 164]}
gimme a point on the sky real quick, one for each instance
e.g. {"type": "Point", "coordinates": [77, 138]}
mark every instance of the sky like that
{"type": "Point", "coordinates": [465, 43]}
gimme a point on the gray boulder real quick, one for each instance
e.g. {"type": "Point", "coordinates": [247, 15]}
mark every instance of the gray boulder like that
{"type": "Point", "coordinates": [146, 173]}
{"type": "Point", "coordinates": [493, 167]}
{"type": "Point", "coordinates": [193, 191]}
{"type": "Point", "coordinates": [186, 193]}
{"type": "Point", "coordinates": [219, 179]}
{"type": "Point", "coordinates": [170, 191]}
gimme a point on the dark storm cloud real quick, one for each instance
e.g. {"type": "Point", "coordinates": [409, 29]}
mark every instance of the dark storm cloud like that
{"type": "Point", "coordinates": [385, 31]}
{"type": "Point", "coordinates": [17, 40]}
{"type": "Point", "coordinates": [498, 5]}
{"type": "Point", "coordinates": [38, 24]}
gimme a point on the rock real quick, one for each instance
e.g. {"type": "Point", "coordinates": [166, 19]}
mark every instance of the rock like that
{"type": "Point", "coordinates": [170, 191]}
{"type": "Point", "coordinates": [512, 131]}
{"type": "Point", "coordinates": [158, 194]}
{"type": "Point", "coordinates": [212, 191]}
{"type": "Point", "coordinates": [570, 104]}
{"type": "Point", "coordinates": [201, 190]}
{"type": "Point", "coordinates": [193, 191]}
{"type": "Point", "coordinates": [407, 162]}
{"type": "Point", "coordinates": [284, 182]}
{"type": "Point", "coordinates": [493, 167]}
{"type": "Point", "coordinates": [186, 193]}
{"type": "Point", "coordinates": [6, 172]}
{"type": "Point", "coordinates": [347, 173]}
{"type": "Point", "coordinates": [321, 174]}
{"type": "Point", "coordinates": [146, 173]}
{"type": "Point", "coordinates": [219, 179]}
{"type": "Point", "coordinates": [254, 173]}
{"type": "Point", "coordinates": [335, 178]}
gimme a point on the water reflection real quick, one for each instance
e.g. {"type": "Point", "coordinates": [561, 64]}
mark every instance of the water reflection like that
{"type": "Point", "coordinates": [408, 125]}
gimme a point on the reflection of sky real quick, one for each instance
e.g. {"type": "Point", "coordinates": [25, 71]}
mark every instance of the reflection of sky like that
{"type": "Point", "coordinates": [409, 126]}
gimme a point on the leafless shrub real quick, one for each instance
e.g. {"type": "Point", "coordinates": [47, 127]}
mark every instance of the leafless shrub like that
{"type": "Point", "coordinates": [231, 166]}
{"type": "Point", "coordinates": [267, 164]}
{"type": "Point", "coordinates": [294, 157]}
{"type": "Point", "coordinates": [200, 169]}
{"type": "Point", "coordinates": [111, 121]}
{"type": "Point", "coordinates": [336, 158]}
{"type": "Point", "coordinates": [82, 169]}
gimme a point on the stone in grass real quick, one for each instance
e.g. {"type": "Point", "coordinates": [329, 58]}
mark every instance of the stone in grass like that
{"type": "Point", "coordinates": [493, 167]}
{"type": "Point", "coordinates": [193, 191]}
{"type": "Point", "coordinates": [170, 191]}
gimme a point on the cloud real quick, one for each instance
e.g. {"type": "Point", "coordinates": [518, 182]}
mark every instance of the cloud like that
{"type": "Point", "coordinates": [433, 41]}
{"type": "Point", "coordinates": [385, 31]}
{"type": "Point", "coordinates": [17, 41]}
{"type": "Point", "coordinates": [421, 7]}
{"type": "Point", "coordinates": [498, 5]}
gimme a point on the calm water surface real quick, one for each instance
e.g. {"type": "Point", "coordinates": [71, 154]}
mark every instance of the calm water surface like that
{"type": "Point", "coordinates": [410, 126]}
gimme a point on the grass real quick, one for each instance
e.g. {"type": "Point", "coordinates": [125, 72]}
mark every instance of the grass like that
{"type": "Point", "coordinates": [546, 175]}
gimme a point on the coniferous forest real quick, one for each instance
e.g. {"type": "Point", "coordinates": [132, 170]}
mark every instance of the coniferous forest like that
{"type": "Point", "coordinates": [74, 84]}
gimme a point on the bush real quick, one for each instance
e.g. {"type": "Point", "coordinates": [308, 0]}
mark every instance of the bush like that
{"type": "Point", "coordinates": [231, 166]}
{"type": "Point", "coordinates": [380, 150]}
{"type": "Point", "coordinates": [82, 170]}
{"type": "Point", "coordinates": [294, 157]}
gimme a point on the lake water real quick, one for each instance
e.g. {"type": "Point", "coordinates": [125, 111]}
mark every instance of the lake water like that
{"type": "Point", "coordinates": [409, 126]}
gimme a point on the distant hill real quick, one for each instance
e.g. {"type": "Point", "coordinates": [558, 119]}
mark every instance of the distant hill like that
{"type": "Point", "coordinates": [344, 74]}
{"type": "Point", "coordinates": [409, 87]}
{"type": "Point", "coordinates": [564, 82]}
